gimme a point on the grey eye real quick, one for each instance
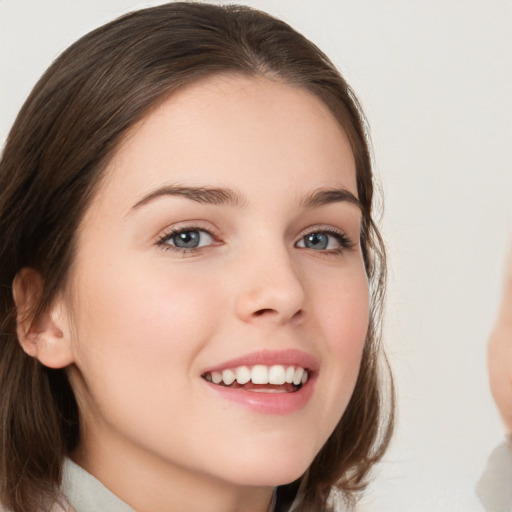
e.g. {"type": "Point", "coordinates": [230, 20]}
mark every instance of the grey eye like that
{"type": "Point", "coordinates": [318, 241]}
{"type": "Point", "coordinates": [323, 241]}
{"type": "Point", "coordinates": [190, 239]}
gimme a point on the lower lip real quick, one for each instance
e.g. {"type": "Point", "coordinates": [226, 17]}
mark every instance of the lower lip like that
{"type": "Point", "coordinates": [267, 403]}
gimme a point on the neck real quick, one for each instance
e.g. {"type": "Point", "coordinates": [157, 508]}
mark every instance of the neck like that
{"type": "Point", "coordinates": [146, 483]}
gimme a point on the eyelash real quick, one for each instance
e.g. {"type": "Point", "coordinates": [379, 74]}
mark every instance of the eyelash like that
{"type": "Point", "coordinates": [345, 243]}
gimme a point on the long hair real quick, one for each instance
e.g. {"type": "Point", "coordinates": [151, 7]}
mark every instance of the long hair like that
{"type": "Point", "coordinates": [54, 158]}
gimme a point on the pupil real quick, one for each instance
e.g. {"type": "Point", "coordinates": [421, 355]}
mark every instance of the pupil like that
{"type": "Point", "coordinates": [187, 239]}
{"type": "Point", "coordinates": [317, 241]}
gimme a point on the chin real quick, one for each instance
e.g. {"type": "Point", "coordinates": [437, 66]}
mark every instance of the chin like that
{"type": "Point", "coordinates": [268, 455]}
{"type": "Point", "coordinates": [270, 469]}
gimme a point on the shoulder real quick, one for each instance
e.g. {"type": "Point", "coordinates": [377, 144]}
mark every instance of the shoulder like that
{"type": "Point", "coordinates": [493, 489]}
{"type": "Point", "coordinates": [58, 506]}
{"type": "Point", "coordinates": [61, 507]}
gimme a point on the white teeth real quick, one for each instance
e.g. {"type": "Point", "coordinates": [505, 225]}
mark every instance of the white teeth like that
{"type": "Point", "coordinates": [228, 376]}
{"type": "Point", "coordinates": [297, 377]}
{"type": "Point", "coordinates": [243, 375]}
{"type": "Point", "coordinates": [277, 375]}
{"type": "Point", "coordinates": [259, 374]}
{"type": "Point", "coordinates": [290, 372]}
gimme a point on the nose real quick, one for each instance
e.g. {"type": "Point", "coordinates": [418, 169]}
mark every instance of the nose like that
{"type": "Point", "coordinates": [270, 289]}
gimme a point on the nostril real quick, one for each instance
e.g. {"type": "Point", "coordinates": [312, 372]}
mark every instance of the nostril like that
{"type": "Point", "coordinates": [272, 312]}
{"type": "Point", "coordinates": [262, 312]}
{"type": "Point", "coordinates": [299, 314]}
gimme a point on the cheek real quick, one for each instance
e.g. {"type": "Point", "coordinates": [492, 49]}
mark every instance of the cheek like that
{"type": "Point", "coordinates": [138, 333]}
{"type": "Point", "coordinates": [141, 318]}
{"type": "Point", "coordinates": [344, 313]}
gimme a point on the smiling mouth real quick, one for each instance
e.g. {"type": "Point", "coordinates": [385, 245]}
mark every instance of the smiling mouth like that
{"type": "Point", "coordinates": [261, 378]}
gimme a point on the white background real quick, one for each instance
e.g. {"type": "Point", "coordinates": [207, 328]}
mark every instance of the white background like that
{"type": "Point", "coordinates": [435, 78]}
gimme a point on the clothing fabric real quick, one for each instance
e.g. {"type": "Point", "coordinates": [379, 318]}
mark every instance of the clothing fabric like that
{"type": "Point", "coordinates": [84, 493]}
{"type": "Point", "coordinates": [494, 488]}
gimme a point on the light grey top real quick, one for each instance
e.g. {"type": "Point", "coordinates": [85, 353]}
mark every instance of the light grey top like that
{"type": "Point", "coordinates": [495, 486]}
{"type": "Point", "coordinates": [84, 493]}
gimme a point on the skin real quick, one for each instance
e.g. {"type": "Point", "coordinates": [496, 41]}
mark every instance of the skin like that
{"type": "Point", "coordinates": [500, 352]}
{"type": "Point", "coordinates": [139, 320]}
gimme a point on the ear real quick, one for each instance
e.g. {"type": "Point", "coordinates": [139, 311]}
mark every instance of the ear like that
{"type": "Point", "coordinates": [46, 337]}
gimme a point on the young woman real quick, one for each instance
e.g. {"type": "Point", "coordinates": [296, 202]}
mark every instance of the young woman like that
{"type": "Point", "coordinates": [191, 276]}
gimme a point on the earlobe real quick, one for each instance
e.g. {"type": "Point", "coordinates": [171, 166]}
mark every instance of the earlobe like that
{"type": "Point", "coordinates": [47, 336]}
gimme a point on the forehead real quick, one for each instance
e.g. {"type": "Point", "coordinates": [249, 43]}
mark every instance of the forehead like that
{"type": "Point", "coordinates": [236, 131]}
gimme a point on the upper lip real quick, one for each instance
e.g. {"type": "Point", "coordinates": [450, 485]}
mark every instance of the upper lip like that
{"type": "Point", "coordinates": [289, 357]}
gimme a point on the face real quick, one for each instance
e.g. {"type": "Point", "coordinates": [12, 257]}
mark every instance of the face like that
{"type": "Point", "coordinates": [220, 253]}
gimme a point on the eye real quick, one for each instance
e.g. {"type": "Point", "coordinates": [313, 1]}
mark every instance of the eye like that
{"type": "Point", "coordinates": [325, 240]}
{"type": "Point", "coordinates": [187, 239]}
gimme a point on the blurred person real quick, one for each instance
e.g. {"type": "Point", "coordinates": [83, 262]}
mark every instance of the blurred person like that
{"type": "Point", "coordinates": [495, 487]}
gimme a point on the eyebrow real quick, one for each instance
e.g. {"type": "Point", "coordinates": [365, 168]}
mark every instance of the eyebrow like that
{"type": "Point", "coordinates": [203, 195]}
{"type": "Point", "coordinates": [322, 197]}
{"type": "Point", "coordinates": [226, 196]}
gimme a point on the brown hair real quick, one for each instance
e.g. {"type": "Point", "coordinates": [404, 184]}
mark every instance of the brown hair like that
{"type": "Point", "coordinates": [59, 145]}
